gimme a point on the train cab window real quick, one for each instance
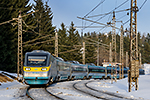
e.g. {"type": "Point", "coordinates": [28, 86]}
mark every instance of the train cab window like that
{"type": "Point", "coordinates": [34, 60]}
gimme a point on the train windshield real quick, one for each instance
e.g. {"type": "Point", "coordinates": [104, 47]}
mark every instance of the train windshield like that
{"type": "Point", "coordinates": [37, 60]}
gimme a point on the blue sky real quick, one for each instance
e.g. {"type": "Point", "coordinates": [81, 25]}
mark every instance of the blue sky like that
{"type": "Point", "coordinates": [67, 10]}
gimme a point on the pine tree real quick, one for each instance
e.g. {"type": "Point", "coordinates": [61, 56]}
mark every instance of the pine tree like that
{"type": "Point", "coordinates": [72, 41]}
{"type": "Point", "coordinates": [43, 19]}
{"type": "Point", "coordinates": [62, 41]}
{"type": "Point", "coordinates": [9, 33]}
{"type": "Point", "coordinates": [90, 49]}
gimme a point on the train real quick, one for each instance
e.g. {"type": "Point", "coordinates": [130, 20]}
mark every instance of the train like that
{"type": "Point", "coordinates": [42, 68]}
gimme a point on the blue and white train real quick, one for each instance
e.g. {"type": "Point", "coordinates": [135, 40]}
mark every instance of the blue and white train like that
{"type": "Point", "coordinates": [41, 68]}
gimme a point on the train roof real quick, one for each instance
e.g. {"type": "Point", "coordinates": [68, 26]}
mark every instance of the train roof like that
{"type": "Point", "coordinates": [95, 67]}
{"type": "Point", "coordinates": [92, 64]}
{"type": "Point", "coordinates": [78, 65]}
{"type": "Point", "coordinates": [59, 61]}
{"type": "Point", "coordinates": [38, 52]}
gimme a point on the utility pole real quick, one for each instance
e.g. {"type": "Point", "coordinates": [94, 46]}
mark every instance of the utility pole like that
{"type": "Point", "coordinates": [121, 54]}
{"type": "Point", "coordinates": [56, 43]}
{"type": "Point", "coordinates": [20, 48]}
{"type": "Point", "coordinates": [98, 54]}
{"type": "Point", "coordinates": [110, 54]}
{"type": "Point", "coordinates": [114, 42]}
{"type": "Point", "coordinates": [83, 52]}
{"type": "Point", "coordinates": [20, 55]}
{"type": "Point", "coordinates": [134, 59]}
{"type": "Point", "coordinates": [140, 60]}
{"type": "Point", "coordinates": [114, 36]}
{"type": "Point", "coordinates": [110, 61]}
{"type": "Point", "coordinates": [126, 59]}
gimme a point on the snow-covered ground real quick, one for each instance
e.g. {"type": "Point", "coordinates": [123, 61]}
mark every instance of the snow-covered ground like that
{"type": "Point", "coordinates": [146, 67]}
{"type": "Point", "coordinates": [11, 90]}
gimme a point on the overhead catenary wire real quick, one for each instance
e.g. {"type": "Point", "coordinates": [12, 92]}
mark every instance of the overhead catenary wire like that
{"type": "Point", "coordinates": [98, 23]}
{"type": "Point", "coordinates": [38, 39]}
{"type": "Point", "coordinates": [38, 43]}
{"type": "Point", "coordinates": [143, 4]}
{"type": "Point", "coordinates": [94, 8]}
{"type": "Point", "coordinates": [138, 11]}
{"type": "Point", "coordinates": [17, 18]}
{"type": "Point", "coordinates": [97, 42]}
{"type": "Point", "coordinates": [105, 15]}
{"type": "Point", "coordinates": [70, 46]}
{"type": "Point", "coordinates": [9, 8]}
{"type": "Point", "coordinates": [108, 13]}
{"type": "Point", "coordinates": [96, 45]}
{"type": "Point", "coordinates": [69, 51]}
{"type": "Point", "coordinates": [30, 28]}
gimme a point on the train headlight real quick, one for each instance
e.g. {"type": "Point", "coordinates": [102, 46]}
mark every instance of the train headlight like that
{"type": "Point", "coordinates": [27, 68]}
{"type": "Point", "coordinates": [44, 69]}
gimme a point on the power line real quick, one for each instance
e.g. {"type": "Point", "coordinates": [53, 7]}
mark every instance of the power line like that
{"type": "Point", "coordinates": [97, 42]}
{"type": "Point", "coordinates": [109, 12]}
{"type": "Point", "coordinates": [143, 4]}
{"type": "Point", "coordinates": [69, 51]}
{"type": "Point", "coordinates": [38, 43]}
{"type": "Point", "coordinates": [38, 39]}
{"type": "Point", "coordinates": [94, 8]}
{"type": "Point", "coordinates": [10, 8]}
{"type": "Point", "coordinates": [126, 22]}
{"type": "Point", "coordinates": [17, 18]}
{"type": "Point", "coordinates": [30, 28]}
{"type": "Point", "coordinates": [138, 10]}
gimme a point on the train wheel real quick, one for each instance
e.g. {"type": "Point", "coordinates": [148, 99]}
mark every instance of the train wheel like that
{"type": "Point", "coordinates": [68, 79]}
{"type": "Point", "coordinates": [55, 80]}
{"type": "Point", "coordinates": [72, 78]}
{"type": "Point", "coordinates": [108, 77]}
{"type": "Point", "coordinates": [103, 77]}
{"type": "Point", "coordinates": [84, 78]}
{"type": "Point", "coordinates": [58, 78]}
{"type": "Point", "coordinates": [89, 77]}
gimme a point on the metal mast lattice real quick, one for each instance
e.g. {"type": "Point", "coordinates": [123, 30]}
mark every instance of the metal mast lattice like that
{"type": "Point", "coordinates": [56, 44]}
{"type": "Point", "coordinates": [134, 63]}
{"type": "Point", "coordinates": [121, 54]}
{"type": "Point", "coordinates": [20, 55]}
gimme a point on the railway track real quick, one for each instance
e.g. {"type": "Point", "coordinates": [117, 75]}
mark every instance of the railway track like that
{"type": "Point", "coordinates": [41, 93]}
{"type": "Point", "coordinates": [13, 77]}
{"type": "Point", "coordinates": [83, 87]}
{"type": "Point", "coordinates": [32, 92]}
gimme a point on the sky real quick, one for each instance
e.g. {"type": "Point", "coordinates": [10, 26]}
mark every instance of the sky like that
{"type": "Point", "coordinates": [15, 90]}
{"type": "Point", "coordinates": [67, 11]}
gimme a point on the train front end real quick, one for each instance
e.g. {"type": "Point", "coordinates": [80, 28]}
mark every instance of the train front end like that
{"type": "Point", "coordinates": [36, 68]}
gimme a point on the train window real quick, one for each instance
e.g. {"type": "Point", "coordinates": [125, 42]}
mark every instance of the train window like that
{"type": "Point", "coordinates": [51, 59]}
{"type": "Point", "coordinates": [125, 72]}
{"type": "Point", "coordinates": [96, 70]}
{"type": "Point", "coordinates": [64, 68]}
{"type": "Point", "coordinates": [108, 71]}
{"type": "Point", "coordinates": [35, 60]}
{"type": "Point", "coordinates": [79, 69]}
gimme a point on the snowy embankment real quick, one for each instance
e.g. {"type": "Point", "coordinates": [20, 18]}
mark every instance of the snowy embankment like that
{"type": "Point", "coordinates": [121, 87]}
{"type": "Point", "coordinates": [13, 90]}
